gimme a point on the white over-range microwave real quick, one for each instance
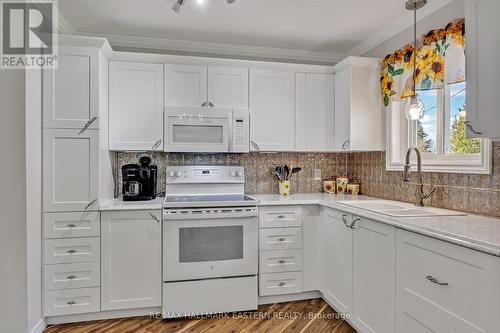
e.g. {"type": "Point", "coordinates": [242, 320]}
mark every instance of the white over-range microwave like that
{"type": "Point", "coordinates": [189, 129]}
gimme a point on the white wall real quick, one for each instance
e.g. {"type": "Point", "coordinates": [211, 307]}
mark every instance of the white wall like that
{"type": "Point", "coordinates": [13, 249]}
{"type": "Point", "coordinates": [33, 196]}
{"type": "Point", "coordinates": [437, 20]}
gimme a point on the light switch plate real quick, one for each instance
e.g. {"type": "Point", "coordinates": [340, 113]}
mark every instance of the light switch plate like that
{"type": "Point", "coordinates": [317, 174]}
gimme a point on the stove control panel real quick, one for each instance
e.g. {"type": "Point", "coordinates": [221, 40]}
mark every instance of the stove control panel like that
{"type": "Point", "coordinates": [205, 174]}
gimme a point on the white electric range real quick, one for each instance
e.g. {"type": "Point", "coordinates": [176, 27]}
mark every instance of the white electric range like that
{"type": "Point", "coordinates": [210, 242]}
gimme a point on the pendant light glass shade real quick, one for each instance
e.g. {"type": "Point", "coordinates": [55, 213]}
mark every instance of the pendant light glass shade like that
{"type": "Point", "coordinates": [414, 109]}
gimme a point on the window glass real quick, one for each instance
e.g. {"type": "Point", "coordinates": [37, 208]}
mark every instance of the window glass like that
{"type": "Point", "coordinates": [458, 143]}
{"type": "Point", "coordinates": [426, 134]}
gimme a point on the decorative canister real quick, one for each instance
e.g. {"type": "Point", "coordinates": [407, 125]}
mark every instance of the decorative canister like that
{"type": "Point", "coordinates": [353, 188]}
{"type": "Point", "coordinates": [341, 184]}
{"type": "Point", "coordinates": [329, 186]}
{"type": "Point", "coordinates": [284, 187]}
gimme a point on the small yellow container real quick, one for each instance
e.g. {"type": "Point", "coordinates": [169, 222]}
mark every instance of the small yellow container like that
{"type": "Point", "coordinates": [341, 184]}
{"type": "Point", "coordinates": [284, 187]}
{"type": "Point", "coordinates": [329, 186]}
{"type": "Point", "coordinates": [353, 188]}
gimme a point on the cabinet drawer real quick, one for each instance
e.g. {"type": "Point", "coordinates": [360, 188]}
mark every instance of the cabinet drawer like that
{"type": "Point", "coordinates": [457, 285]}
{"type": "Point", "coordinates": [72, 301]}
{"type": "Point", "coordinates": [280, 261]}
{"type": "Point", "coordinates": [280, 283]}
{"type": "Point", "coordinates": [280, 239]}
{"type": "Point", "coordinates": [71, 250]}
{"type": "Point", "coordinates": [280, 216]}
{"type": "Point", "coordinates": [67, 225]}
{"type": "Point", "coordinates": [409, 319]}
{"type": "Point", "coordinates": [70, 276]}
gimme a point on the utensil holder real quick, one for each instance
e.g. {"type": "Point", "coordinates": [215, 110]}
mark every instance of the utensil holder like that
{"type": "Point", "coordinates": [284, 187]}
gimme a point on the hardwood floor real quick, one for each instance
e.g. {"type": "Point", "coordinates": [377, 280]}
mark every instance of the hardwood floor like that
{"type": "Point", "coordinates": [311, 316]}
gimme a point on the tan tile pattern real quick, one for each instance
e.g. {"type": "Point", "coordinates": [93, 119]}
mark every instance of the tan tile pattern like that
{"type": "Point", "coordinates": [473, 193]}
{"type": "Point", "coordinates": [258, 167]}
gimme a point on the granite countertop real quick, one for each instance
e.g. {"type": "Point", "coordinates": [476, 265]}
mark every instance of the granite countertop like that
{"type": "Point", "coordinates": [473, 231]}
{"type": "Point", "coordinates": [119, 204]}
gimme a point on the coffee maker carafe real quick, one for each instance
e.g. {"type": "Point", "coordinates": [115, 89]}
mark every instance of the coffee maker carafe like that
{"type": "Point", "coordinates": [139, 180]}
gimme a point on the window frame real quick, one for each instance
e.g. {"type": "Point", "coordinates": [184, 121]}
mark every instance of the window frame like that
{"type": "Point", "coordinates": [401, 134]}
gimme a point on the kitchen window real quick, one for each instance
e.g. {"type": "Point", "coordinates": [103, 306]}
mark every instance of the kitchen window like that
{"type": "Point", "coordinates": [440, 135]}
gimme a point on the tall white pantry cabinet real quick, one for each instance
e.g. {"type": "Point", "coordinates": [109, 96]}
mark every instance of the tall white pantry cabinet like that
{"type": "Point", "coordinates": [77, 175]}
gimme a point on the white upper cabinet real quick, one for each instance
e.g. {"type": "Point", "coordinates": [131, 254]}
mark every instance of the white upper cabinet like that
{"type": "Point", "coordinates": [314, 112]}
{"type": "Point", "coordinates": [135, 106]}
{"type": "Point", "coordinates": [71, 170]}
{"type": "Point", "coordinates": [228, 87]}
{"type": "Point", "coordinates": [70, 92]}
{"type": "Point", "coordinates": [185, 85]}
{"type": "Point", "coordinates": [130, 259]}
{"type": "Point", "coordinates": [272, 110]}
{"type": "Point", "coordinates": [194, 86]}
{"type": "Point", "coordinates": [374, 273]}
{"type": "Point", "coordinates": [358, 107]}
{"type": "Point", "coordinates": [482, 53]}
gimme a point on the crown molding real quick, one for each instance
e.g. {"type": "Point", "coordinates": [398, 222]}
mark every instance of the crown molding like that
{"type": "Point", "coordinates": [238, 51]}
{"type": "Point", "coordinates": [400, 25]}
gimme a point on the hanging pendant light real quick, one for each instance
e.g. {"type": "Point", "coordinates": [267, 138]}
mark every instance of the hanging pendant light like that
{"type": "Point", "coordinates": [415, 109]}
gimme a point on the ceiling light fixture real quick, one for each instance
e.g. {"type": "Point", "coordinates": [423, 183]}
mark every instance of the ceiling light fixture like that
{"type": "Point", "coordinates": [415, 109]}
{"type": "Point", "coordinates": [179, 3]}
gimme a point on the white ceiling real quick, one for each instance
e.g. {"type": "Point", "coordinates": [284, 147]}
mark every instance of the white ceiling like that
{"type": "Point", "coordinates": [313, 26]}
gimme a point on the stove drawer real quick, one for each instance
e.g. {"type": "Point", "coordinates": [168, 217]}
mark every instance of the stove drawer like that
{"type": "Point", "coordinates": [280, 216]}
{"type": "Point", "coordinates": [280, 283]}
{"type": "Point", "coordinates": [72, 301]}
{"type": "Point", "coordinates": [71, 250]}
{"type": "Point", "coordinates": [280, 261]}
{"type": "Point", "coordinates": [70, 276]}
{"type": "Point", "coordinates": [280, 239]}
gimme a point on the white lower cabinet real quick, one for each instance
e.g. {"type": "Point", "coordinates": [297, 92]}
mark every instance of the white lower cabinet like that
{"type": "Point", "coordinates": [374, 276]}
{"type": "Point", "coordinates": [455, 287]}
{"type": "Point", "coordinates": [337, 261]}
{"type": "Point", "coordinates": [71, 301]}
{"type": "Point", "coordinates": [130, 259]}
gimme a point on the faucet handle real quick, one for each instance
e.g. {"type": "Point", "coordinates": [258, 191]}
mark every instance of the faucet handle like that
{"type": "Point", "coordinates": [426, 196]}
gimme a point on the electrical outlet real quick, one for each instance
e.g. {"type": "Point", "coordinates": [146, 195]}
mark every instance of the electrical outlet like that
{"type": "Point", "coordinates": [317, 174]}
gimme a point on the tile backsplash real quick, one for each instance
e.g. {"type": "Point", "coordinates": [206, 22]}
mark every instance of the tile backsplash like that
{"type": "Point", "coordinates": [467, 192]}
{"type": "Point", "coordinates": [258, 168]}
{"type": "Point", "coordinates": [472, 193]}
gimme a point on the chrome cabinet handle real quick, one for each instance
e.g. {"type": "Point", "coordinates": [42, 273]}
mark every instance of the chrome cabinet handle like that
{"type": "Point", "coordinates": [344, 216]}
{"type": "Point", "coordinates": [90, 204]}
{"type": "Point", "coordinates": [281, 239]}
{"type": "Point", "coordinates": [353, 223]}
{"type": "Point", "coordinates": [71, 277]}
{"type": "Point", "coordinates": [204, 104]}
{"type": "Point", "coordinates": [255, 146]}
{"type": "Point", "coordinates": [281, 216]}
{"type": "Point", "coordinates": [87, 125]}
{"type": "Point", "coordinates": [345, 144]}
{"type": "Point", "coordinates": [153, 216]}
{"type": "Point", "coordinates": [71, 303]}
{"type": "Point", "coordinates": [71, 251]}
{"type": "Point", "coordinates": [281, 284]}
{"type": "Point", "coordinates": [282, 261]}
{"type": "Point", "coordinates": [71, 225]}
{"type": "Point", "coordinates": [210, 104]}
{"type": "Point", "coordinates": [435, 281]}
{"type": "Point", "coordinates": [157, 143]}
{"type": "Point", "coordinates": [470, 128]}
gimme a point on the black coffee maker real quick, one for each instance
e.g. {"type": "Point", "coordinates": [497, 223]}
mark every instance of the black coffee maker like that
{"type": "Point", "coordinates": [139, 180]}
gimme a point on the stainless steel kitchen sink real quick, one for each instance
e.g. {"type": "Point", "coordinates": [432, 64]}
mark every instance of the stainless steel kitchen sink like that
{"type": "Point", "coordinates": [398, 209]}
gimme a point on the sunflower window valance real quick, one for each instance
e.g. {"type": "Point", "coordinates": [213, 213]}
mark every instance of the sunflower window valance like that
{"type": "Point", "coordinates": [440, 61]}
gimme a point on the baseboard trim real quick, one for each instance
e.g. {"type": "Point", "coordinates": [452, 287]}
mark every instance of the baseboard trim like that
{"type": "Point", "coordinates": [102, 315]}
{"type": "Point", "coordinates": [289, 297]}
{"type": "Point", "coordinates": [39, 327]}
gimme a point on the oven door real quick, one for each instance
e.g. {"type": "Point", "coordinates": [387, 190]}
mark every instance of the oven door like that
{"type": "Point", "coordinates": [209, 243]}
{"type": "Point", "coordinates": [197, 133]}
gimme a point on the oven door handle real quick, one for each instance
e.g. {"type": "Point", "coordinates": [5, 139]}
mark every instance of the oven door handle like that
{"type": "Point", "coordinates": [210, 213]}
